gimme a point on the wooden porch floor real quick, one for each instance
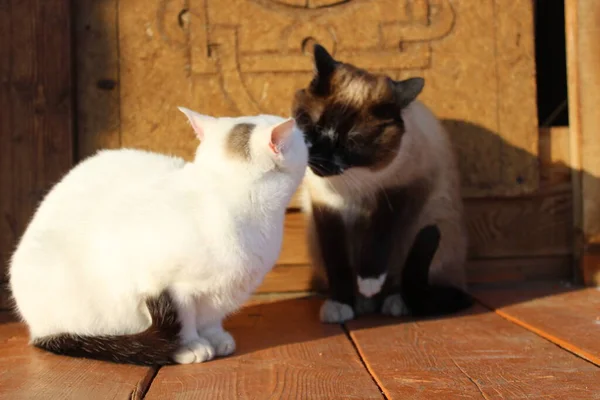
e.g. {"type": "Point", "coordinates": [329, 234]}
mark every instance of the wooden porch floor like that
{"type": "Point", "coordinates": [534, 343]}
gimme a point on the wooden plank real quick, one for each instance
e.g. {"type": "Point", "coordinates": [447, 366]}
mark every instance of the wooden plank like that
{"type": "Point", "coordinates": [154, 77]}
{"type": "Point", "coordinates": [301, 278]}
{"type": "Point", "coordinates": [284, 352]}
{"type": "Point", "coordinates": [532, 226]}
{"type": "Point", "coordinates": [515, 52]}
{"type": "Point", "coordinates": [294, 248]}
{"type": "Point", "coordinates": [289, 278]}
{"type": "Point", "coordinates": [474, 355]}
{"type": "Point", "coordinates": [515, 270]}
{"type": "Point", "coordinates": [35, 109]}
{"type": "Point", "coordinates": [555, 170]}
{"type": "Point", "coordinates": [98, 86]}
{"type": "Point", "coordinates": [522, 227]}
{"type": "Point", "coordinates": [29, 373]}
{"type": "Point", "coordinates": [264, 298]}
{"type": "Point", "coordinates": [583, 67]}
{"type": "Point", "coordinates": [566, 316]}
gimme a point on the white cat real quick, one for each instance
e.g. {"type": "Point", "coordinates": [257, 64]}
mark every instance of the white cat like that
{"type": "Point", "coordinates": [137, 257]}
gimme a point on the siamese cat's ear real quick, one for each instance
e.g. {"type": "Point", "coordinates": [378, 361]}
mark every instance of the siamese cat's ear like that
{"type": "Point", "coordinates": [324, 63]}
{"type": "Point", "coordinates": [281, 135]}
{"type": "Point", "coordinates": [199, 122]}
{"type": "Point", "coordinates": [408, 90]}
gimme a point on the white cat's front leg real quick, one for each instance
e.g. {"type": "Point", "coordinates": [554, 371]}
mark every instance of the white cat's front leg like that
{"type": "Point", "coordinates": [194, 348]}
{"type": "Point", "coordinates": [221, 340]}
{"type": "Point", "coordinates": [209, 324]}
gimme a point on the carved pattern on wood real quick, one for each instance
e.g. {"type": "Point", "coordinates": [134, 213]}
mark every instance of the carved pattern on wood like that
{"type": "Point", "coordinates": [215, 47]}
{"type": "Point", "coordinates": [249, 56]}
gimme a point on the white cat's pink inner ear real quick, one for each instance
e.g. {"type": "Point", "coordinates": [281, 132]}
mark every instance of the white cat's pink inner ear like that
{"type": "Point", "coordinates": [281, 134]}
{"type": "Point", "coordinates": [197, 121]}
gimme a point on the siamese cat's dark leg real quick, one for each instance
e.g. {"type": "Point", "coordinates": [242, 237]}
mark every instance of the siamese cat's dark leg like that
{"type": "Point", "coordinates": [406, 296]}
{"type": "Point", "coordinates": [332, 241]}
{"type": "Point", "coordinates": [375, 238]}
{"type": "Point", "coordinates": [386, 229]}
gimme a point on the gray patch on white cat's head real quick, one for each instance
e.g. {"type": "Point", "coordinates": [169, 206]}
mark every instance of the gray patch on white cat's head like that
{"type": "Point", "coordinates": [238, 141]}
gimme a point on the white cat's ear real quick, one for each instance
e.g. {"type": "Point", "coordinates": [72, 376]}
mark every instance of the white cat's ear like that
{"type": "Point", "coordinates": [281, 134]}
{"type": "Point", "coordinates": [199, 122]}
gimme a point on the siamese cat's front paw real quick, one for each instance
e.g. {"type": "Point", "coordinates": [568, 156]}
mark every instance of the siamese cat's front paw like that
{"type": "Point", "coordinates": [333, 312]}
{"type": "Point", "coordinates": [394, 306]}
{"type": "Point", "coordinates": [222, 341]}
{"type": "Point", "coordinates": [195, 351]}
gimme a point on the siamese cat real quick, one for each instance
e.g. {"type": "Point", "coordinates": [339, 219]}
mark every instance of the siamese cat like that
{"type": "Point", "coordinates": [381, 170]}
{"type": "Point", "coordinates": [136, 257]}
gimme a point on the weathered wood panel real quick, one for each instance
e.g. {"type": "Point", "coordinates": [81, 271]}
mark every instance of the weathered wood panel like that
{"type": "Point", "coordinates": [519, 270]}
{"type": "Point", "coordinates": [246, 57]}
{"type": "Point", "coordinates": [583, 65]}
{"type": "Point", "coordinates": [29, 373]}
{"type": "Point", "coordinates": [154, 54]}
{"type": "Point", "coordinates": [540, 225]}
{"type": "Point", "coordinates": [568, 317]}
{"type": "Point", "coordinates": [283, 352]}
{"type": "Point", "coordinates": [555, 162]}
{"type": "Point", "coordinates": [36, 143]}
{"type": "Point", "coordinates": [98, 86]}
{"type": "Point", "coordinates": [474, 355]}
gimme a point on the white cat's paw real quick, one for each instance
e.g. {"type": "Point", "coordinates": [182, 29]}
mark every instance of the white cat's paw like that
{"type": "Point", "coordinates": [195, 351]}
{"type": "Point", "coordinates": [223, 343]}
{"type": "Point", "coordinates": [369, 287]}
{"type": "Point", "coordinates": [333, 312]}
{"type": "Point", "coordinates": [394, 305]}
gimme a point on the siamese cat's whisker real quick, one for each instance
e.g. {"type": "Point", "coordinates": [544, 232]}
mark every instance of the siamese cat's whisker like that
{"type": "Point", "coordinates": [348, 178]}
{"type": "Point", "coordinates": [320, 159]}
{"type": "Point", "coordinates": [350, 184]}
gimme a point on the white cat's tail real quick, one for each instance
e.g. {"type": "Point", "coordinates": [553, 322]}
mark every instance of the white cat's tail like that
{"type": "Point", "coordinates": [155, 346]}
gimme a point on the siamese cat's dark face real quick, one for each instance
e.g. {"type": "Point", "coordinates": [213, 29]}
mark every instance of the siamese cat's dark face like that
{"type": "Point", "coordinates": [350, 117]}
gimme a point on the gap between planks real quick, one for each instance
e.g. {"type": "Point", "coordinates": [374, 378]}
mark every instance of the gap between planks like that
{"type": "Point", "coordinates": [563, 344]}
{"type": "Point", "coordinates": [144, 385]}
{"type": "Point", "coordinates": [364, 362]}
